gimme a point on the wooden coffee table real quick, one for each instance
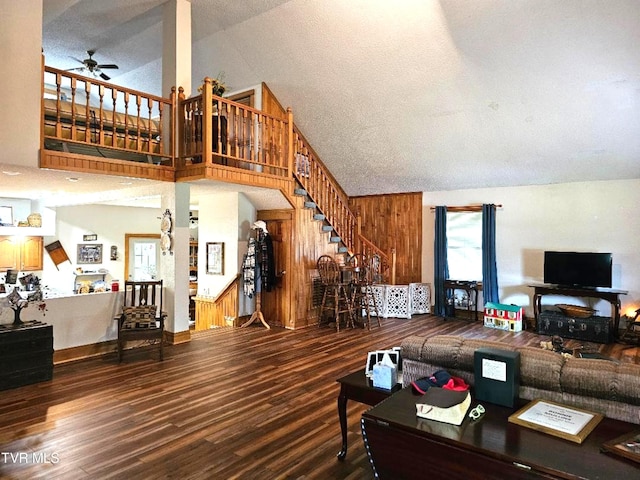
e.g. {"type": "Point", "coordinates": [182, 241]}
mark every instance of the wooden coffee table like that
{"type": "Point", "coordinates": [402, 445]}
{"type": "Point", "coordinates": [358, 387]}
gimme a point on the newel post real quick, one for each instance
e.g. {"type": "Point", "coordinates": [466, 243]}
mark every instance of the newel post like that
{"type": "Point", "coordinates": [290, 153]}
{"type": "Point", "coordinates": [207, 119]}
{"type": "Point", "coordinates": [393, 266]}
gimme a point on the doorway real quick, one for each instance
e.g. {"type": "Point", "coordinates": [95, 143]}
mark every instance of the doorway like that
{"type": "Point", "coordinates": [142, 252]}
{"type": "Point", "coordinates": [276, 303]}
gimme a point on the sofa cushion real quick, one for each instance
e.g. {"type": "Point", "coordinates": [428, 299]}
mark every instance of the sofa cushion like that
{"type": "Point", "coordinates": [540, 368]}
{"type": "Point", "coordinates": [589, 377]}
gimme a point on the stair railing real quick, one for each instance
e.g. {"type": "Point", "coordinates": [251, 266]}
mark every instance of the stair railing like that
{"type": "Point", "coordinates": [333, 202]}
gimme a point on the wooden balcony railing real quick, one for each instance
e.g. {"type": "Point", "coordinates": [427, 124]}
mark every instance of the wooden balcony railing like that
{"type": "Point", "coordinates": [106, 120]}
{"type": "Point", "coordinates": [221, 132]}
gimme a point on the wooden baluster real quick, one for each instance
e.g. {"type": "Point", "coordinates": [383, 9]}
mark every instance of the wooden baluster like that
{"type": "Point", "coordinates": [159, 138]}
{"type": "Point", "coordinates": [87, 112]}
{"type": "Point", "coordinates": [126, 119]}
{"type": "Point", "coordinates": [114, 123]}
{"type": "Point", "coordinates": [73, 109]}
{"type": "Point", "coordinates": [149, 129]}
{"type": "Point", "coordinates": [58, 106]}
{"type": "Point", "coordinates": [138, 109]}
{"type": "Point", "coordinates": [101, 111]}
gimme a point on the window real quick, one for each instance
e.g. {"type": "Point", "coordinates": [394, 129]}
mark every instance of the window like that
{"type": "Point", "coordinates": [464, 245]}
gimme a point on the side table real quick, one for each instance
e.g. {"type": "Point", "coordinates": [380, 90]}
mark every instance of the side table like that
{"type": "Point", "coordinates": [357, 387]}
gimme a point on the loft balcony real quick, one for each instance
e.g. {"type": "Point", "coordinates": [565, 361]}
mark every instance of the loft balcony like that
{"type": "Point", "coordinates": [95, 127]}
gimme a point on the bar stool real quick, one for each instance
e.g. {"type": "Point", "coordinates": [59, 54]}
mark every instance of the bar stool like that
{"type": "Point", "coordinates": [336, 298]}
{"type": "Point", "coordinates": [363, 297]}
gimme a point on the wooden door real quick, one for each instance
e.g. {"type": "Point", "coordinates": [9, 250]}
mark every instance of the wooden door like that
{"type": "Point", "coordinates": [31, 254]}
{"type": "Point", "coordinates": [9, 253]}
{"type": "Point", "coordinates": [275, 304]}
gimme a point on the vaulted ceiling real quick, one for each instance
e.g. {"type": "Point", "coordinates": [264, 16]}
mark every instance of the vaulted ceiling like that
{"type": "Point", "coordinates": [410, 95]}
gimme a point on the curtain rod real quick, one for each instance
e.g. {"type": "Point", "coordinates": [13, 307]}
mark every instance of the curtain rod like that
{"type": "Point", "coordinates": [466, 208]}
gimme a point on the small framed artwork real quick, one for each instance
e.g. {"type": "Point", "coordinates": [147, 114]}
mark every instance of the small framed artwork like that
{"type": "Point", "coordinates": [90, 238]}
{"type": "Point", "coordinates": [89, 253]}
{"type": "Point", "coordinates": [215, 258]}
{"type": "Point", "coordinates": [6, 216]}
{"type": "Point", "coordinates": [627, 446]}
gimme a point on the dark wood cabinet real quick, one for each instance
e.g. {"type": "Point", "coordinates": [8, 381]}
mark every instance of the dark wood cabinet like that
{"type": "Point", "coordinates": [26, 354]}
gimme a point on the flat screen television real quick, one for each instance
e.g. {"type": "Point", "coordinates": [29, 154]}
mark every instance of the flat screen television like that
{"type": "Point", "coordinates": [578, 269]}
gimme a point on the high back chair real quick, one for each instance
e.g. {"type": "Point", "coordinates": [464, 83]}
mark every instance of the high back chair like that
{"type": "Point", "coordinates": [362, 294]}
{"type": "Point", "coordinates": [142, 316]}
{"type": "Point", "coordinates": [336, 298]}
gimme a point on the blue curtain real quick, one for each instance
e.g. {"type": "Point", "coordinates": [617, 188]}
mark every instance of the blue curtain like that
{"type": "Point", "coordinates": [489, 268]}
{"type": "Point", "coordinates": [441, 268]}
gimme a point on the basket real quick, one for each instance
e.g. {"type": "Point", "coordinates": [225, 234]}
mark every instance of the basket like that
{"type": "Point", "coordinates": [576, 311]}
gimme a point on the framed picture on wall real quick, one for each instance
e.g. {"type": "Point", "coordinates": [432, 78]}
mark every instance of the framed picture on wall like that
{"type": "Point", "coordinates": [89, 253]}
{"type": "Point", "coordinates": [215, 258]}
{"type": "Point", "coordinates": [6, 216]}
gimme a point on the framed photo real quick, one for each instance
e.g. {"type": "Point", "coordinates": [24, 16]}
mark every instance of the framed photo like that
{"type": "Point", "coordinates": [627, 446]}
{"type": "Point", "coordinates": [89, 253]}
{"type": "Point", "coordinates": [6, 216]}
{"type": "Point", "coordinates": [573, 424]}
{"type": "Point", "coordinates": [90, 238]}
{"type": "Point", "coordinates": [215, 258]}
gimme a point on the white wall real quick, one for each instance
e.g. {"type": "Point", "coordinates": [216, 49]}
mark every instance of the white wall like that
{"type": "Point", "coordinates": [21, 52]}
{"type": "Point", "coordinates": [109, 223]}
{"type": "Point", "coordinates": [586, 216]}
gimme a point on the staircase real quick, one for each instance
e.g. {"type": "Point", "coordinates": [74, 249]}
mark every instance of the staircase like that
{"type": "Point", "coordinates": [330, 204]}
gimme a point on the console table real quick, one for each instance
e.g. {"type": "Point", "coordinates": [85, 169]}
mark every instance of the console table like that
{"type": "Point", "coordinates": [402, 445]}
{"type": "Point", "coordinates": [471, 289]}
{"type": "Point", "coordinates": [26, 354]}
{"type": "Point", "coordinates": [609, 294]}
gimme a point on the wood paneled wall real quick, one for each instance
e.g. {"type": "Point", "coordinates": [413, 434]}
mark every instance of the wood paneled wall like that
{"type": "Point", "coordinates": [394, 221]}
{"type": "Point", "coordinates": [308, 242]}
{"type": "Point", "coordinates": [270, 104]}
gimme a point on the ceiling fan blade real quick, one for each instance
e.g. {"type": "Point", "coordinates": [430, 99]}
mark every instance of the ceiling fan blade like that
{"type": "Point", "coordinates": [108, 65]}
{"type": "Point", "coordinates": [78, 69]}
{"type": "Point", "coordinates": [105, 77]}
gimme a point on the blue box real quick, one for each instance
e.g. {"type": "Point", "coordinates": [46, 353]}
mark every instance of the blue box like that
{"type": "Point", "coordinates": [384, 376]}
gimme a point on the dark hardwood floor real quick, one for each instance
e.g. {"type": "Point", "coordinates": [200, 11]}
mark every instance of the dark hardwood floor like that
{"type": "Point", "coordinates": [233, 403]}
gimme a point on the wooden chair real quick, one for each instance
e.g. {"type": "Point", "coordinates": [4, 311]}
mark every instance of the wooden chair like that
{"type": "Point", "coordinates": [336, 298]}
{"type": "Point", "coordinates": [362, 295]}
{"type": "Point", "coordinates": [142, 316]}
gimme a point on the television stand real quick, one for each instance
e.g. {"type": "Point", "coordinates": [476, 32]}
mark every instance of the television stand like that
{"type": "Point", "coordinates": [608, 294]}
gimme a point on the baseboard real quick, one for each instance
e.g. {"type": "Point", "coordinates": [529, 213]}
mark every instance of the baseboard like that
{"type": "Point", "coordinates": [83, 351]}
{"type": "Point", "coordinates": [102, 348]}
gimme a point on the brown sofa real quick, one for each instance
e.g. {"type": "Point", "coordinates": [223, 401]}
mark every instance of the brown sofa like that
{"type": "Point", "coordinates": [603, 386]}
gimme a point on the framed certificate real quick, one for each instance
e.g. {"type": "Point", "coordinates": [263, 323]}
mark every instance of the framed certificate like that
{"type": "Point", "coordinates": [570, 423]}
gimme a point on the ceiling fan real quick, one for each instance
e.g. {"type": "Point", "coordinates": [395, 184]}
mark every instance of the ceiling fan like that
{"type": "Point", "coordinates": [93, 67]}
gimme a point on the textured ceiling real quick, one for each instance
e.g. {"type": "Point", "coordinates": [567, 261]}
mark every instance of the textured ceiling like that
{"type": "Point", "coordinates": [412, 95]}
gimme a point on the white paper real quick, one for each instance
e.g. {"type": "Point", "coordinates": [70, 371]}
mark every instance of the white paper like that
{"type": "Point", "coordinates": [556, 417]}
{"type": "Point", "coordinates": [494, 370]}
